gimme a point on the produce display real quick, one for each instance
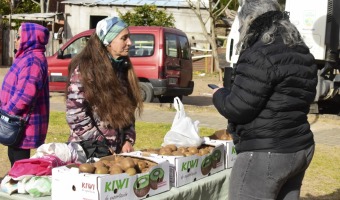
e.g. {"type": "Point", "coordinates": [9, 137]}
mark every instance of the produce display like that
{"type": "Point", "coordinates": [221, 135]}
{"type": "Point", "coordinates": [225, 137]}
{"type": "Point", "coordinates": [144, 173]}
{"type": "Point", "coordinates": [172, 150]}
{"type": "Point", "coordinates": [117, 165]}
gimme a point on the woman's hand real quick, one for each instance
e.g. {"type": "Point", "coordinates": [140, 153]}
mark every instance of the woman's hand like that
{"type": "Point", "coordinates": [127, 147]}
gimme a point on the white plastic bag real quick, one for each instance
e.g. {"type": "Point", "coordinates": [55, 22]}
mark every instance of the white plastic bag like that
{"type": "Point", "coordinates": [39, 186]}
{"type": "Point", "coordinates": [68, 153]}
{"type": "Point", "coordinates": [183, 132]}
{"type": "Point", "coordinates": [60, 150]}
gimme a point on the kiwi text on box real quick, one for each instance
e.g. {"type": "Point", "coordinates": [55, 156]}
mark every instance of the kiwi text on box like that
{"type": "Point", "coordinates": [69, 183]}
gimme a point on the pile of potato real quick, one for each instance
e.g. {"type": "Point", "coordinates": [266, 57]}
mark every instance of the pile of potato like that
{"type": "Point", "coordinates": [225, 137]}
{"type": "Point", "coordinates": [117, 165]}
{"type": "Point", "coordinates": [221, 135]}
{"type": "Point", "coordinates": [172, 150]}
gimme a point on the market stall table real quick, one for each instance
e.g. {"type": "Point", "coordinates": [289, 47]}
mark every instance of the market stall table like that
{"type": "Point", "coordinates": [213, 187]}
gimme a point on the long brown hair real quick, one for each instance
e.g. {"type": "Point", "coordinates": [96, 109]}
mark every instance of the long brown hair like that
{"type": "Point", "coordinates": [103, 90]}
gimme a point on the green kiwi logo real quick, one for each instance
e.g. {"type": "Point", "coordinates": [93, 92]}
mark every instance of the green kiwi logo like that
{"type": "Point", "coordinates": [233, 150]}
{"type": "Point", "coordinates": [206, 165]}
{"type": "Point", "coordinates": [142, 186]}
{"type": "Point", "coordinates": [216, 158]}
{"type": "Point", "coordinates": [156, 176]}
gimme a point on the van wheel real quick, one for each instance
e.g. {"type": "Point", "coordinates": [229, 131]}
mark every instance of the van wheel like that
{"type": "Point", "coordinates": [146, 92]}
{"type": "Point", "coordinates": [169, 99]}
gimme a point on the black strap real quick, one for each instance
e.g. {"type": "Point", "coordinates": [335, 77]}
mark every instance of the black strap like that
{"type": "Point", "coordinates": [121, 134]}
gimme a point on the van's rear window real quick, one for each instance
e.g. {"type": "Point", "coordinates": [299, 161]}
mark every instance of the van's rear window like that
{"type": "Point", "coordinates": [171, 45]}
{"type": "Point", "coordinates": [142, 45]}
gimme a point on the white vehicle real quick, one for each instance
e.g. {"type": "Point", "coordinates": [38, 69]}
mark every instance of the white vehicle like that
{"type": "Point", "coordinates": [318, 22]}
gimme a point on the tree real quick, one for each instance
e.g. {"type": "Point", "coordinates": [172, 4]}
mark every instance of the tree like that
{"type": "Point", "coordinates": [17, 6]}
{"type": "Point", "coordinates": [147, 15]}
{"type": "Point", "coordinates": [14, 6]}
{"type": "Point", "coordinates": [5, 7]}
{"type": "Point", "coordinates": [43, 4]}
{"type": "Point", "coordinates": [216, 9]}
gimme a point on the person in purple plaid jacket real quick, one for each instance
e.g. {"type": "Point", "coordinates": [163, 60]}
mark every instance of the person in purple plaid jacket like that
{"type": "Point", "coordinates": [103, 90]}
{"type": "Point", "coordinates": [27, 78]}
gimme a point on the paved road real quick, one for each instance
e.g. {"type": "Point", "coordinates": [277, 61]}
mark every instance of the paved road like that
{"type": "Point", "coordinates": [326, 128]}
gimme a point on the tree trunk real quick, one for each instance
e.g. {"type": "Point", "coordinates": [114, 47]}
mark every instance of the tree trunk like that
{"type": "Point", "coordinates": [210, 35]}
{"type": "Point", "coordinates": [215, 60]}
{"type": "Point", "coordinates": [42, 6]}
{"type": "Point", "coordinates": [48, 6]}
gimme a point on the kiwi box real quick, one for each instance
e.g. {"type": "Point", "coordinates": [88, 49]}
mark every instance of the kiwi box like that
{"type": "Point", "coordinates": [223, 137]}
{"type": "Point", "coordinates": [187, 169]}
{"type": "Point", "coordinates": [69, 183]}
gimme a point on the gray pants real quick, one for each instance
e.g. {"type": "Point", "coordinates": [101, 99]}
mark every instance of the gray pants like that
{"type": "Point", "coordinates": [266, 175]}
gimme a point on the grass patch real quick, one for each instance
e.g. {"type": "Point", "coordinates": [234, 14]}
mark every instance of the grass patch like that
{"type": "Point", "coordinates": [322, 179]}
{"type": "Point", "coordinates": [149, 135]}
{"type": "Point", "coordinates": [58, 130]}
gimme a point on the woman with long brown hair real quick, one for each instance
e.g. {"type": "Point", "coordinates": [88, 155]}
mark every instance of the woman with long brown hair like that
{"type": "Point", "coordinates": [103, 93]}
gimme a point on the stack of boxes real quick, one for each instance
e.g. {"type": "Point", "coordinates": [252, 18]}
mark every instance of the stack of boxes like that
{"type": "Point", "coordinates": [69, 183]}
{"type": "Point", "coordinates": [169, 171]}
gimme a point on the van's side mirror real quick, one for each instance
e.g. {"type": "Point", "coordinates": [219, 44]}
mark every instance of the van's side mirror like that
{"type": "Point", "coordinates": [60, 54]}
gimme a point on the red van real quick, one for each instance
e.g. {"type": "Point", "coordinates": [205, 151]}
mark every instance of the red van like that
{"type": "Point", "coordinates": [160, 56]}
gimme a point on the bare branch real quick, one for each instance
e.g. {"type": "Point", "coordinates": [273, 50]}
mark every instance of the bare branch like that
{"type": "Point", "coordinates": [203, 4]}
{"type": "Point", "coordinates": [216, 12]}
{"type": "Point", "coordinates": [230, 13]}
{"type": "Point", "coordinates": [221, 11]}
{"type": "Point", "coordinates": [214, 5]}
{"type": "Point", "coordinates": [36, 2]}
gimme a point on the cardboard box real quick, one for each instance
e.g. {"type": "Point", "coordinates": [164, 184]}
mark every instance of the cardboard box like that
{"type": "Point", "coordinates": [68, 183]}
{"type": "Point", "coordinates": [184, 170]}
{"type": "Point", "coordinates": [230, 151]}
{"type": "Point", "coordinates": [229, 148]}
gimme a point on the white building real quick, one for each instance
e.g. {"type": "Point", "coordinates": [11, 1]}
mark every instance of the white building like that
{"type": "Point", "coordinates": [81, 15]}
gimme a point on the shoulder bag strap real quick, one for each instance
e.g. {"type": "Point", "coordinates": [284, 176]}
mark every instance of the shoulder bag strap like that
{"type": "Point", "coordinates": [99, 131]}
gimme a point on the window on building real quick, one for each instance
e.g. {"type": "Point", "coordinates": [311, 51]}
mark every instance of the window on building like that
{"type": "Point", "coordinates": [94, 20]}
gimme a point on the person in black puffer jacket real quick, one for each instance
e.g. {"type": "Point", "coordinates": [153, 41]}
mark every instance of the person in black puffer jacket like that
{"type": "Point", "coordinates": [267, 105]}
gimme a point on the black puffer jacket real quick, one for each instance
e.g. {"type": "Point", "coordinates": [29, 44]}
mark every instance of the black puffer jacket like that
{"type": "Point", "coordinates": [270, 98]}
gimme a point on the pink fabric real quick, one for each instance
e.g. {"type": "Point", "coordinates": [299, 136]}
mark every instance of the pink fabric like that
{"type": "Point", "coordinates": [35, 166]}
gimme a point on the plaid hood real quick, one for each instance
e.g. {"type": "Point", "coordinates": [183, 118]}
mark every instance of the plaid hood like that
{"type": "Point", "coordinates": [33, 37]}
